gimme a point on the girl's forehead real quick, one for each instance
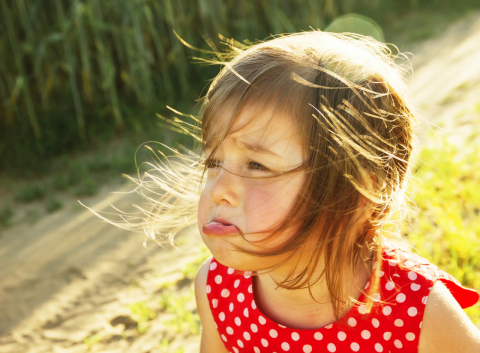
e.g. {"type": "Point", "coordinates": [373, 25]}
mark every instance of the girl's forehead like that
{"type": "Point", "coordinates": [255, 126]}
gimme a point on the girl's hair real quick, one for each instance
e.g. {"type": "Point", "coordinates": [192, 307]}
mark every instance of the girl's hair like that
{"type": "Point", "coordinates": [347, 97]}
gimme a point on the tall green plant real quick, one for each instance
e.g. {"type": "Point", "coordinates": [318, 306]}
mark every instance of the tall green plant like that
{"type": "Point", "coordinates": [72, 69]}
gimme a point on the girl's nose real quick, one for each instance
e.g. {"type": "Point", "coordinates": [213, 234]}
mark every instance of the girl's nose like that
{"type": "Point", "coordinates": [225, 189]}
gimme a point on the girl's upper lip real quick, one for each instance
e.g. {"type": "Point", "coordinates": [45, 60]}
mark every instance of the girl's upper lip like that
{"type": "Point", "coordinates": [223, 221]}
{"type": "Point", "coordinates": [220, 227]}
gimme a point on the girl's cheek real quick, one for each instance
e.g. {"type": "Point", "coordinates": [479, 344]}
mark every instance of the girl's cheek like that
{"type": "Point", "coordinates": [267, 205]}
{"type": "Point", "coordinates": [204, 205]}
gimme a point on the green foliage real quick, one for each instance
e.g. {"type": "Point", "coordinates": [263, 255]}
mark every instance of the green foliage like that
{"type": "Point", "coordinates": [52, 204]}
{"type": "Point", "coordinates": [91, 341]}
{"type": "Point", "coordinates": [76, 73]}
{"type": "Point", "coordinates": [30, 193]}
{"type": "Point", "coordinates": [446, 228]}
{"type": "Point", "coordinates": [142, 313]}
{"type": "Point", "coordinates": [6, 214]}
{"type": "Point", "coordinates": [184, 320]}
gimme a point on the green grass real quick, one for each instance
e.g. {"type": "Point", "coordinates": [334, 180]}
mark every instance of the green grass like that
{"type": "Point", "coordinates": [142, 314]}
{"type": "Point", "coordinates": [446, 227]}
{"type": "Point", "coordinates": [6, 214]}
{"type": "Point", "coordinates": [30, 193]}
{"type": "Point", "coordinates": [52, 204]}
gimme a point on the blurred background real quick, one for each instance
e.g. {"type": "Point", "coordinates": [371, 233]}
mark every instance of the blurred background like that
{"type": "Point", "coordinates": [81, 84]}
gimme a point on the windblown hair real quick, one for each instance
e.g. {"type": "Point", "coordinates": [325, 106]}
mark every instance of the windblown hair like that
{"type": "Point", "coordinates": [347, 97]}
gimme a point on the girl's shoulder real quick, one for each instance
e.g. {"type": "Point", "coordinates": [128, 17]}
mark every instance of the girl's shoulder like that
{"type": "Point", "coordinates": [404, 268]}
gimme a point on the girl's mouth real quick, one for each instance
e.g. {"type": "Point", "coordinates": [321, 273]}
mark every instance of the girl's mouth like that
{"type": "Point", "coordinates": [220, 228]}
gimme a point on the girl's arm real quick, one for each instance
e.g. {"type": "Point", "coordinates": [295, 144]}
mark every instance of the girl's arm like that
{"type": "Point", "coordinates": [211, 341]}
{"type": "Point", "coordinates": [445, 326]}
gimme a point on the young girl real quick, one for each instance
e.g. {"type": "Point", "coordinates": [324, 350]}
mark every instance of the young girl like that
{"type": "Point", "coordinates": [306, 141]}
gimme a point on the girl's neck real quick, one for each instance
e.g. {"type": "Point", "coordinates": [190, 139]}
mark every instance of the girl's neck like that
{"type": "Point", "coordinates": [296, 308]}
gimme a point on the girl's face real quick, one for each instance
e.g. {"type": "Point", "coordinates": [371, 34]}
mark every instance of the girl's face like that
{"type": "Point", "coordinates": [240, 195]}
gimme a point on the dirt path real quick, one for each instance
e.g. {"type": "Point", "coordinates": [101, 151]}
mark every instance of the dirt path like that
{"type": "Point", "coordinates": [67, 282]}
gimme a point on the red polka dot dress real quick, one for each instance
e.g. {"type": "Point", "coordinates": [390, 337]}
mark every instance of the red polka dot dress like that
{"type": "Point", "coordinates": [393, 326]}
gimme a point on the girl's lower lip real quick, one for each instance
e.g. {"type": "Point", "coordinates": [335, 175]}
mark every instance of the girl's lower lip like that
{"type": "Point", "coordinates": [217, 228]}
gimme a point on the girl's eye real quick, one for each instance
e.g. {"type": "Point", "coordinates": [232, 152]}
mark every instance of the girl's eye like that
{"type": "Point", "coordinates": [212, 163]}
{"type": "Point", "coordinates": [257, 166]}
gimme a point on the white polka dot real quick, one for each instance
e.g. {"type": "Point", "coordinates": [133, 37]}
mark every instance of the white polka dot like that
{"type": "Point", "coordinates": [318, 336]}
{"type": "Point", "coordinates": [412, 311]}
{"type": "Point", "coordinates": [374, 265]}
{"type": "Point", "coordinates": [240, 297]}
{"type": "Point", "coordinates": [387, 310]}
{"type": "Point", "coordinates": [273, 333]}
{"type": "Point", "coordinates": [387, 336]}
{"type": "Point", "coordinates": [254, 306]}
{"type": "Point", "coordinates": [285, 346]}
{"type": "Point", "coordinates": [398, 344]}
{"type": "Point", "coordinates": [264, 342]}
{"type": "Point", "coordinates": [224, 338]}
{"type": "Point", "coordinates": [230, 330]}
{"type": "Point", "coordinates": [415, 287]}
{"type": "Point", "coordinates": [236, 283]}
{"type": "Point", "coordinates": [221, 316]}
{"type": "Point", "coordinates": [401, 297]}
{"type": "Point", "coordinates": [412, 276]}
{"type": "Point", "coordinates": [295, 336]}
{"type": "Point", "coordinates": [420, 324]}
{"type": "Point", "coordinates": [376, 297]}
{"type": "Point", "coordinates": [238, 322]}
{"type": "Point", "coordinates": [230, 271]}
{"type": "Point", "coordinates": [214, 303]}
{"type": "Point", "coordinates": [254, 328]}
{"type": "Point", "coordinates": [355, 346]}
{"type": "Point", "coordinates": [307, 348]}
{"type": "Point", "coordinates": [341, 336]}
{"type": "Point", "coordinates": [240, 343]}
{"type": "Point", "coordinates": [398, 323]}
{"type": "Point", "coordinates": [352, 322]}
{"type": "Point", "coordinates": [396, 275]}
{"type": "Point", "coordinates": [209, 289]}
{"type": "Point", "coordinates": [424, 300]}
{"type": "Point", "coordinates": [379, 273]}
{"type": "Point", "coordinates": [281, 326]}
{"type": "Point", "coordinates": [218, 279]}
{"type": "Point", "coordinates": [375, 323]}
{"type": "Point", "coordinates": [262, 320]}
{"type": "Point", "coordinates": [247, 274]}
{"type": "Point", "coordinates": [215, 324]}
{"type": "Point", "coordinates": [230, 307]}
{"type": "Point", "coordinates": [213, 265]}
{"type": "Point", "coordinates": [367, 285]}
{"type": "Point", "coordinates": [245, 312]}
{"type": "Point", "coordinates": [362, 309]}
{"type": "Point", "coordinates": [378, 347]}
{"type": "Point", "coordinates": [390, 285]}
{"type": "Point", "coordinates": [246, 335]}
{"type": "Point", "coordinates": [235, 349]}
{"type": "Point", "coordinates": [256, 350]}
{"type": "Point", "coordinates": [225, 293]}
{"type": "Point", "coordinates": [250, 290]}
{"type": "Point", "coordinates": [392, 262]}
{"type": "Point", "coordinates": [410, 336]}
{"type": "Point", "coordinates": [366, 334]}
{"type": "Point", "coordinates": [331, 347]}
{"type": "Point", "coordinates": [329, 326]}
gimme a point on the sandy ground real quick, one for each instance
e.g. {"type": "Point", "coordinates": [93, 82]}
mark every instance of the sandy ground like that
{"type": "Point", "coordinates": [70, 277]}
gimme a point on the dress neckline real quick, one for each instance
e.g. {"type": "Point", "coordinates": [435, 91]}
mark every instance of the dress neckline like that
{"type": "Point", "coordinates": [342, 321]}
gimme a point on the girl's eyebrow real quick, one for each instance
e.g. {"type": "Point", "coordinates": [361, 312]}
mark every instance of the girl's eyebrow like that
{"type": "Point", "coordinates": [256, 147]}
{"type": "Point", "coordinates": [251, 146]}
